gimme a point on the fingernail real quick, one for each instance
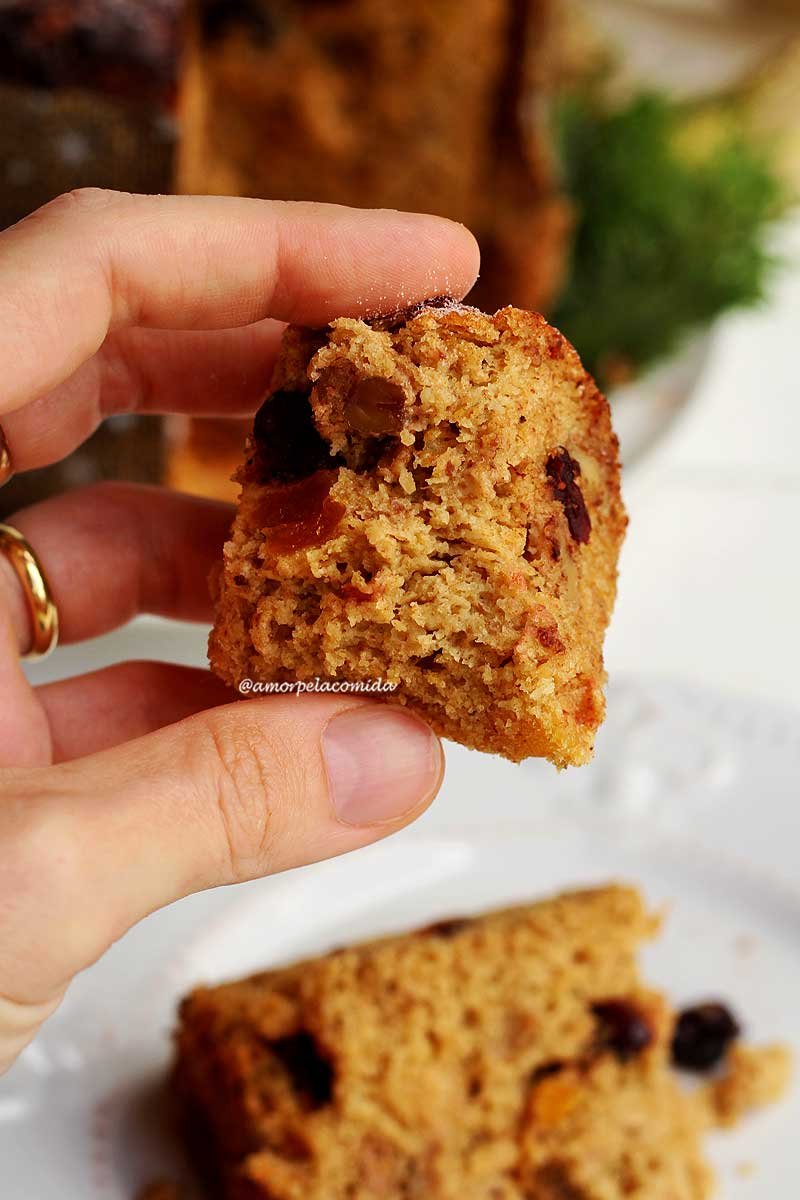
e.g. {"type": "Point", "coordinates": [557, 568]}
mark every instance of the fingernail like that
{"type": "Point", "coordinates": [382, 762]}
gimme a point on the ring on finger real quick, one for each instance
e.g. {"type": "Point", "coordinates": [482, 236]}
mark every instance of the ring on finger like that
{"type": "Point", "coordinates": [38, 595]}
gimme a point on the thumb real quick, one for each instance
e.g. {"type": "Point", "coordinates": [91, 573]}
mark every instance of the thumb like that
{"type": "Point", "coordinates": [226, 795]}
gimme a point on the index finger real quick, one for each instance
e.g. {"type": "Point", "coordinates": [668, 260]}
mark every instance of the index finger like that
{"type": "Point", "coordinates": [94, 261]}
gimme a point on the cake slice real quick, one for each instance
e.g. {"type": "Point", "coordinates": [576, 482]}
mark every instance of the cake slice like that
{"type": "Point", "coordinates": [513, 1056]}
{"type": "Point", "coordinates": [433, 500]}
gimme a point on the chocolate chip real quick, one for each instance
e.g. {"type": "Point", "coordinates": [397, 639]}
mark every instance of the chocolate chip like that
{"type": "Point", "coordinates": [376, 407]}
{"type": "Point", "coordinates": [562, 471]}
{"type": "Point", "coordinates": [624, 1028]}
{"type": "Point", "coordinates": [702, 1036]}
{"type": "Point", "coordinates": [258, 20]}
{"type": "Point", "coordinates": [287, 440]}
{"type": "Point", "coordinates": [309, 1071]}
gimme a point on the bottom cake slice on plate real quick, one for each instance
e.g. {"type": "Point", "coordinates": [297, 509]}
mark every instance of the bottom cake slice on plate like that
{"type": "Point", "coordinates": [511, 1056]}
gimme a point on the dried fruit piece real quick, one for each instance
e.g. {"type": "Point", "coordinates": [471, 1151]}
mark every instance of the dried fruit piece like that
{"type": "Point", "coordinates": [554, 1096]}
{"type": "Point", "coordinates": [562, 471]}
{"type": "Point", "coordinates": [376, 406]}
{"type": "Point", "coordinates": [310, 1072]}
{"type": "Point", "coordinates": [301, 514]}
{"type": "Point", "coordinates": [702, 1036]}
{"type": "Point", "coordinates": [430, 662]}
{"type": "Point", "coordinates": [624, 1028]}
{"type": "Point", "coordinates": [447, 928]}
{"type": "Point", "coordinates": [288, 443]}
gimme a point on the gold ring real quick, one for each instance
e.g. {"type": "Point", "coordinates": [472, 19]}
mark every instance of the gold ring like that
{"type": "Point", "coordinates": [6, 469]}
{"type": "Point", "coordinates": [38, 597]}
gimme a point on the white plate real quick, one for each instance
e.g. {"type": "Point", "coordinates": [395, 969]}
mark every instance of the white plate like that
{"type": "Point", "coordinates": [692, 797]}
{"type": "Point", "coordinates": [646, 409]}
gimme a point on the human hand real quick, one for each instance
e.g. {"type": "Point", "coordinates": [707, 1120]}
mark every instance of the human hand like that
{"type": "Point", "coordinates": [125, 789]}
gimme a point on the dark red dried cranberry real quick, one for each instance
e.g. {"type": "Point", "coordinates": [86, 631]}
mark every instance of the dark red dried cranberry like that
{"type": "Point", "coordinates": [702, 1036]}
{"type": "Point", "coordinates": [562, 471]}
{"type": "Point", "coordinates": [310, 1072]}
{"type": "Point", "coordinates": [624, 1028]}
{"type": "Point", "coordinates": [287, 440]}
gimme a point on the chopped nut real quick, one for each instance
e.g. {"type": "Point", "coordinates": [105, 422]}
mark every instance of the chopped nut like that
{"type": "Point", "coordinates": [376, 406]}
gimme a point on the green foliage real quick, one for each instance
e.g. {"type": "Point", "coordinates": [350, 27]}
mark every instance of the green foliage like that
{"type": "Point", "coordinates": [669, 234]}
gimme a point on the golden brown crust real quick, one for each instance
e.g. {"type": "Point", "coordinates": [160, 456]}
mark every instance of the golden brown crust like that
{"type": "Point", "coordinates": [453, 527]}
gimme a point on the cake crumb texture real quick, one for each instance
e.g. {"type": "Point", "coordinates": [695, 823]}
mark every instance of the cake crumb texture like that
{"type": "Point", "coordinates": [512, 1056]}
{"type": "Point", "coordinates": [753, 1077]}
{"type": "Point", "coordinates": [432, 499]}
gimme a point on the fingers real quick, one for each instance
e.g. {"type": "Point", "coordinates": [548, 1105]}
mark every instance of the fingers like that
{"type": "Point", "coordinates": [94, 261]}
{"type": "Point", "coordinates": [223, 372]}
{"type": "Point", "coordinates": [24, 731]}
{"type": "Point", "coordinates": [104, 708]}
{"type": "Point", "coordinates": [223, 796]}
{"type": "Point", "coordinates": [114, 550]}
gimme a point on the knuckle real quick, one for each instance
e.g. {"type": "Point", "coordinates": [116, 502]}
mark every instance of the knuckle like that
{"type": "Point", "coordinates": [246, 777]}
{"type": "Point", "coordinates": [86, 199]}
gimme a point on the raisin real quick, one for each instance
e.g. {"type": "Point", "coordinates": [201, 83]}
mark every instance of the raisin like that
{"type": "Point", "coordinates": [430, 662]}
{"type": "Point", "coordinates": [375, 407]}
{"type": "Point", "coordinates": [562, 471]}
{"type": "Point", "coordinates": [702, 1036]}
{"type": "Point", "coordinates": [310, 1072]}
{"type": "Point", "coordinates": [299, 515]}
{"type": "Point", "coordinates": [448, 928]}
{"type": "Point", "coordinates": [287, 440]}
{"type": "Point", "coordinates": [624, 1028]}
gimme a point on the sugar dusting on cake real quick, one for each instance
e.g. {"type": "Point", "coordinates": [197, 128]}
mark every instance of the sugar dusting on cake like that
{"type": "Point", "coordinates": [389, 321]}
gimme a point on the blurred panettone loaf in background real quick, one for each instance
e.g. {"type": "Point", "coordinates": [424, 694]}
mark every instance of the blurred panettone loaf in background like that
{"type": "Point", "coordinates": [86, 96]}
{"type": "Point", "coordinates": [434, 107]}
{"type": "Point", "coordinates": [86, 88]}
